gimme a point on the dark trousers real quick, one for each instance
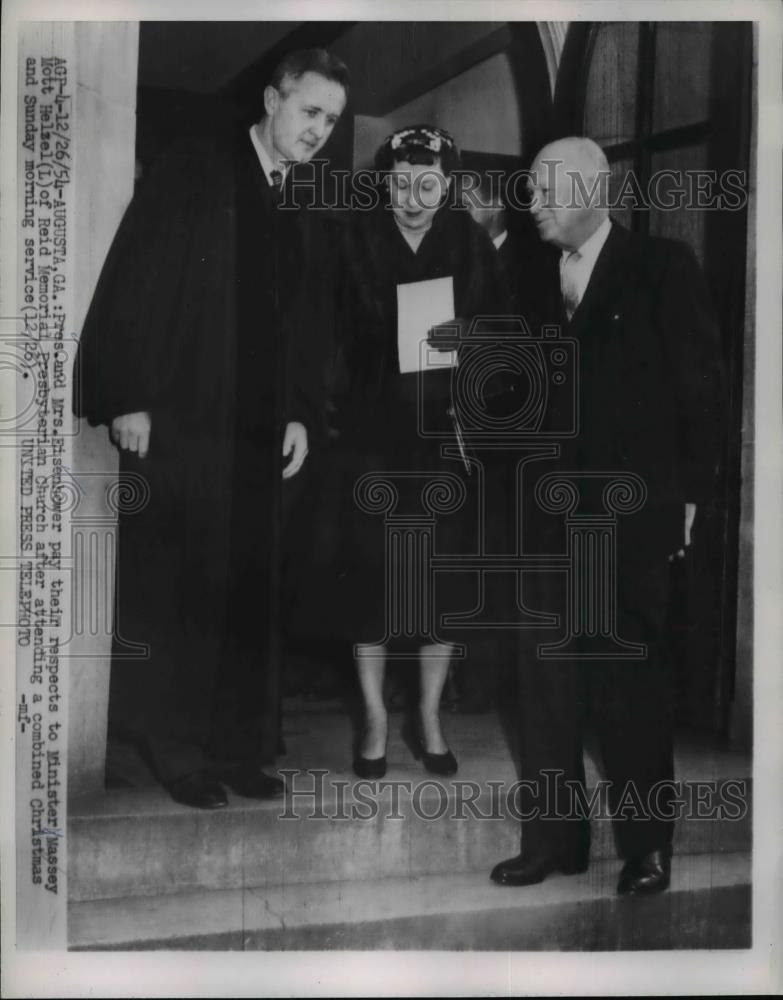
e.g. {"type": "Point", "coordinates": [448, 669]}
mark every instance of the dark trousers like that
{"type": "Point", "coordinates": [627, 701]}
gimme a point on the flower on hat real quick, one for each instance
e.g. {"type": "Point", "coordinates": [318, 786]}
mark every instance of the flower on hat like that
{"type": "Point", "coordinates": [430, 139]}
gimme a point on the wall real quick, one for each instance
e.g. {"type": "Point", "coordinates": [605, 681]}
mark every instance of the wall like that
{"type": "Point", "coordinates": [741, 728]}
{"type": "Point", "coordinates": [479, 107]}
{"type": "Point", "coordinates": [106, 58]}
{"type": "Point", "coordinates": [390, 57]}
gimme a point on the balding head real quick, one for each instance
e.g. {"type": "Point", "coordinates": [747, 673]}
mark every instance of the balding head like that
{"type": "Point", "coordinates": [569, 188]}
{"type": "Point", "coordinates": [577, 153]}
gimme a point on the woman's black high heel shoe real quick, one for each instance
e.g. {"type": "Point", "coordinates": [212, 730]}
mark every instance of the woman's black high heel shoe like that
{"type": "Point", "coordinates": [371, 768]}
{"type": "Point", "coordinates": [444, 764]}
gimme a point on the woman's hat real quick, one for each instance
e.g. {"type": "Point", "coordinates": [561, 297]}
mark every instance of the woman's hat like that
{"type": "Point", "coordinates": [428, 137]}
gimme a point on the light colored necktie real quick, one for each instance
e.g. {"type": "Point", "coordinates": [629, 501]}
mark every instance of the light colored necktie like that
{"type": "Point", "coordinates": [569, 286]}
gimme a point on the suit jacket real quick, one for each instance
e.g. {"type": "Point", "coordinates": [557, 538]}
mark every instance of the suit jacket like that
{"type": "Point", "coordinates": [650, 375]}
{"type": "Point", "coordinates": [513, 256]}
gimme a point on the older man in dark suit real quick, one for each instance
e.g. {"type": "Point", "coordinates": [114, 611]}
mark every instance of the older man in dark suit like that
{"type": "Point", "coordinates": [650, 403]}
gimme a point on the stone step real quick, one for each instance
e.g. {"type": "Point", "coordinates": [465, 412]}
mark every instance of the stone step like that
{"type": "Point", "coordinates": [707, 906]}
{"type": "Point", "coordinates": [129, 842]}
{"type": "Point", "coordinates": [138, 842]}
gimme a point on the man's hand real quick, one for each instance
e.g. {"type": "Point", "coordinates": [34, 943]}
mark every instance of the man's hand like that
{"type": "Point", "coordinates": [295, 445]}
{"type": "Point", "coordinates": [447, 336]}
{"type": "Point", "coordinates": [690, 516]}
{"type": "Point", "coordinates": [131, 432]}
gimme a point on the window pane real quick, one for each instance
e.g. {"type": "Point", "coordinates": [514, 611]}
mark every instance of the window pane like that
{"type": "Point", "coordinates": [610, 103]}
{"type": "Point", "coordinates": [682, 73]}
{"type": "Point", "coordinates": [686, 222]}
{"type": "Point", "coordinates": [619, 188]}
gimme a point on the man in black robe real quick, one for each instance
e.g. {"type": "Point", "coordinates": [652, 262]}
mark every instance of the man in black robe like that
{"type": "Point", "coordinates": [650, 403]}
{"type": "Point", "coordinates": [202, 354]}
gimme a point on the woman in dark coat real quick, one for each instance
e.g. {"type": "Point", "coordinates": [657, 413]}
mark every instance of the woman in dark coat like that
{"type": "Point", "coordinates": [417, 233]}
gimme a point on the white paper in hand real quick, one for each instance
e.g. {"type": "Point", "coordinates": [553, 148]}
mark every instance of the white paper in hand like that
{"type": "Point", "coordinates": [420, 306]}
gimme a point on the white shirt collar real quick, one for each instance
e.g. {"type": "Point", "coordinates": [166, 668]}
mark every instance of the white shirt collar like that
{"type": "Point", "coordinates": [266, 161]}
{"type": "Point", "coordinates": [500, 239]}
{"type": "Point", "coordinates": [592, 246]}
{"type": "Point", "coordinates": [575, 273]}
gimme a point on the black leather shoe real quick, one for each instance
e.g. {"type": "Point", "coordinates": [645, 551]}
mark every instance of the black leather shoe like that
{"type": "Point", "coordinates": [251, 783]}
{"type": "Point", "coordinates": [646, 874]}
{"type": "Point", "coordinates": [199, 791]}
{"type": "Point", "coordinates": [528, 869]}
{"type": "Point", "coordinates": [371, 768]}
